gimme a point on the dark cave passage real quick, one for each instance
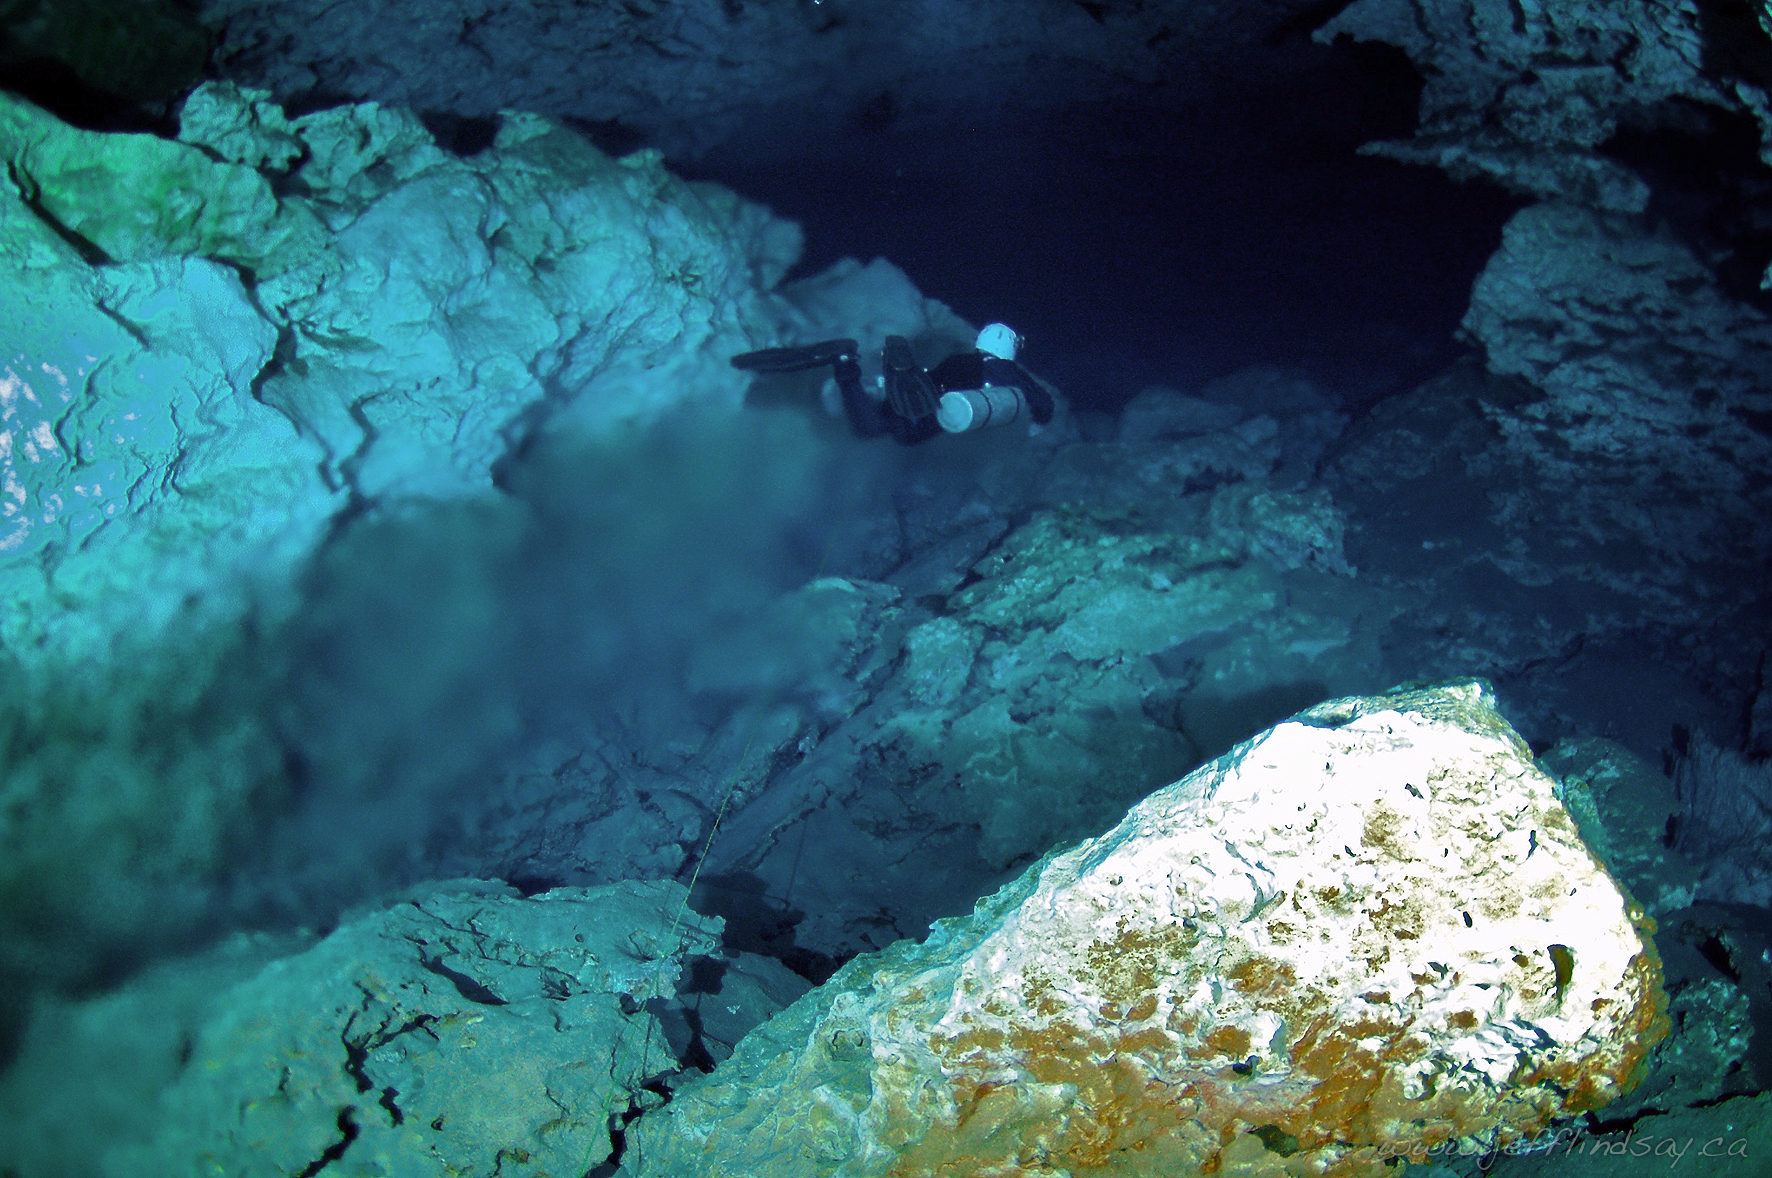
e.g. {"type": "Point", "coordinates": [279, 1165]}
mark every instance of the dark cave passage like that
{"type": "Point", "coordinates": [1138, 246]}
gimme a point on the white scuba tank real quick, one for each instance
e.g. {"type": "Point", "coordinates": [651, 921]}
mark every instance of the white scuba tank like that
{"type": "Point", "coordinates": [968, 409]}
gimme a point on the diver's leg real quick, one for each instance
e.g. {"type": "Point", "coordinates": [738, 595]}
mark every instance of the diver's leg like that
{"type": "Point", "coordinates": [867, 417]}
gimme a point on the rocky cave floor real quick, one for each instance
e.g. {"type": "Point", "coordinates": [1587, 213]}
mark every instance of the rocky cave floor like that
{"type": "Point", "coordinates": [1001, 654]}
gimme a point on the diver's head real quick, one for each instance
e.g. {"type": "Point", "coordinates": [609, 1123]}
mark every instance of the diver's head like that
{"type": "Point", "coordinates": [999, 340]}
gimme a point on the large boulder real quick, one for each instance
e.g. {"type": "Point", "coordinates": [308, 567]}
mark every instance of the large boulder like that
{"type": "Point", "coordinates": [1366, 933]}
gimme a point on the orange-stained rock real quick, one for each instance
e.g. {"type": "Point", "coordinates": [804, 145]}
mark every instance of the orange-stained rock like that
{"type": "Point", "coordinates": [1367, 932]}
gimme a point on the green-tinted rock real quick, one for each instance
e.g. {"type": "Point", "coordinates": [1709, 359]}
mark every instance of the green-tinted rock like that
{"type": "Point", "coordinates": [139, 465]}
{"type": "Point", "coordinates": [145, 496]}
{"type": "Point", "coordinates": [241, 125]}
{"type": "Point", "coordinates": [139, 197]}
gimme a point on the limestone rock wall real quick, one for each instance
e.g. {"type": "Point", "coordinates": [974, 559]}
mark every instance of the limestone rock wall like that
{"type": "Point", "coordinates": [385, 327]}
{"type": "Point", "coordinates": [1527, 95]}
{"type": "Point", "coordinates": [1620, 316]}
{"type": "Point", "coordinates": [218, 349]}
{"type": "Point", "coordinates": [1369, 931]}
{"type": "Point", "coordinates": [1653, 419]}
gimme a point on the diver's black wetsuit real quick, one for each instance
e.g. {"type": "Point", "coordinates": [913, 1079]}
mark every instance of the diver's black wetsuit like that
{"type": "Point", "coordinates": [908, 411]}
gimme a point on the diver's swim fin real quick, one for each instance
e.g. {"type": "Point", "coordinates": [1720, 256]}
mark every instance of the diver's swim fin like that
{"type": "Point", "coordinates": [795, 359]}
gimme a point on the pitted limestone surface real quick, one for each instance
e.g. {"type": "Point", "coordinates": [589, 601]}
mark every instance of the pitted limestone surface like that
{"type": "Point", "coordinates": [1371, 930]}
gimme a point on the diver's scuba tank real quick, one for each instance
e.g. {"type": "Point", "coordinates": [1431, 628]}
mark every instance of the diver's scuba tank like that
{"type": "Point", "coordinates": [969, 409]}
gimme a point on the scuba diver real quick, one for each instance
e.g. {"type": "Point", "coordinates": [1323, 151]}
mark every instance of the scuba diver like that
{"type": "Point", "coordinates": [970, 390]}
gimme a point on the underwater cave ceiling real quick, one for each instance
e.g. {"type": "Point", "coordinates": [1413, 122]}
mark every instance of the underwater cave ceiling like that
{"type": "Point", "coordinates": [400, 584]}
{"type": "Point", "coordinates": [774, 75]}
